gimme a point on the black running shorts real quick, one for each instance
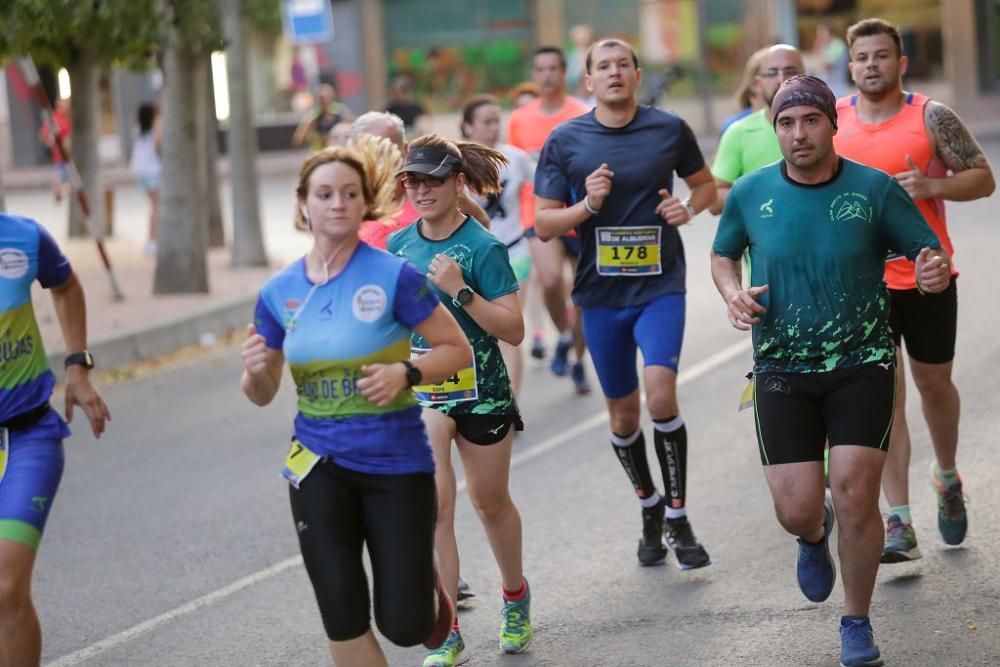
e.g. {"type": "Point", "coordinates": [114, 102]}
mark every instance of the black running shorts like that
{"type": "Point", "coordinates": [796, 413]}
{"type": "Point", "coordinates": [486, 429]}
{"type": "Point", "coordinates": [926, 322]}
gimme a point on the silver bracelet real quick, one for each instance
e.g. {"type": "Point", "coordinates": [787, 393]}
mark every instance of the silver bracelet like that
{"type": "Point", "coordinates": [688, 208]}
{"type": "Point", "coordinates": [590, 209]}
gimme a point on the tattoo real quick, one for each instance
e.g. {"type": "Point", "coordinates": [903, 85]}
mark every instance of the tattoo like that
{"type": "Point", "coordinates": [953, 143]}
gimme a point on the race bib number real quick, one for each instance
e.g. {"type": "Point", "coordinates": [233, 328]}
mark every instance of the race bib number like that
{"type": "Point", "coordinates": [628, 251]}
{"type": "Point", "coordinates": [462, 386]}
{"type": "Point", "coordinates": [299, 463]}
{"type": "Point", "coordinates": [4, 450]}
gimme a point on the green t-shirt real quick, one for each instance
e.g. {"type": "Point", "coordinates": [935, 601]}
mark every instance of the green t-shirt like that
{"type": "Point", "coordinates": [486, 269]}
{"type": "Point", "coordinates": [821, 249]}
{"type": "Point", "coordinates": [747, 145]}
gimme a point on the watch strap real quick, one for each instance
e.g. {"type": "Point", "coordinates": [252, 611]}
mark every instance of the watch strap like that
{"type": "Point", "coordinates": [84, 358]}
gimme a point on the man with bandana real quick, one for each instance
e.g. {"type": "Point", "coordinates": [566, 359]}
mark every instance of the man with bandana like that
{"type": "Point", "coordinates": [818, 228]}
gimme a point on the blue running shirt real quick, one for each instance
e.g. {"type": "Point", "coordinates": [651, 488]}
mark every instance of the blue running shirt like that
{"type": "Point", "coordinates": [364, 315]}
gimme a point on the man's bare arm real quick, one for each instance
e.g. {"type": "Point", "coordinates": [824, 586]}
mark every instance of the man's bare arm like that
{"type": "Point", "coordinates": [971, 176]}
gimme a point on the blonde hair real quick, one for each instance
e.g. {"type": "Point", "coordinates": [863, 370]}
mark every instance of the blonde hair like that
{"type": "Point", "coordinates": [376, 160]}
{"type": "Point", "coordinates": [744, 94]}
{"type": "Point", "coordinates": [481, 165]}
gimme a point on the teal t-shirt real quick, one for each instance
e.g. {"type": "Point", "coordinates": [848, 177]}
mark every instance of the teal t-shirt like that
{"type": "Point", "coordinates": [486, 269]}
{"type": "Point", "coordinates": [821, 249]}
{"type": "Point", "coordinates": [747, 145]}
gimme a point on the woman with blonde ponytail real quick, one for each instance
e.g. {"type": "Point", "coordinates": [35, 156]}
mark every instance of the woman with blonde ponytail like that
{"type": "Point", "coordinates": [360, 468]}
{"type": "Point", "coordinates": [475, 408]}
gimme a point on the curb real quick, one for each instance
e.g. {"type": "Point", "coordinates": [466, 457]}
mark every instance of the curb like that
{"type": "Point", "coordinates": [140, 344]}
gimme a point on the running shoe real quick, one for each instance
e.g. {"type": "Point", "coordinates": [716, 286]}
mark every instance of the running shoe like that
{"type": "Point", "coordinates": [515, 628]}
{"type": "Point", "coordinates": [900, 542]}
{"type": "Point", "coordinates": [681, 540]}
{"type": "Point", "coordinates": [560, 358]}
{"type": "Point", "coordinates": [651, 550]}
{"type": "Point", "coordinates": [857, 643]}
{"type": "Point", "coordinates": [952, 520]}
{"type": "Point", "coordinates": [816, 570]}
{"type": "Point", "coordinates": [451, 653]}
{"type": "Point", "coordinates": [465, 595]}
{"type": "Point", "coordinates": [580, 381]}
{"type": "Point", "coordinates": [445, 615]}
{"type": "Point", "coordinates": [537, 347]}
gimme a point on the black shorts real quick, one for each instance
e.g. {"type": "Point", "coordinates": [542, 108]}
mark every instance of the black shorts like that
{"type": "Point", "coordinates": [796, 413]}
{"type": "Point", "coordinates": [926, 322]}
{"type": "Point", "coordinates": [486, 429]}
{"type": "Point", "coordinates": [337, 512]}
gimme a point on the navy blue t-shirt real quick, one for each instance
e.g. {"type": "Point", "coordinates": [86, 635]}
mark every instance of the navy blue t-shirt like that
{"type": "Point", "coordinates": [645, 260]}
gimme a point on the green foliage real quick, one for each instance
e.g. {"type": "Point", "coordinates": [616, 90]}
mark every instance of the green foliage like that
{"type": "Point", "coordinates": [264, 16]}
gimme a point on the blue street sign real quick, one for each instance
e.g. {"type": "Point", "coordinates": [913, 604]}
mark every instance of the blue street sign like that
{"type": "Point", "coordinates": [307, 21]}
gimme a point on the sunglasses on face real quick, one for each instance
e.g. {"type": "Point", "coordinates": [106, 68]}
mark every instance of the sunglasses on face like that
{"type": "Point", "coordinates": [412, 182]}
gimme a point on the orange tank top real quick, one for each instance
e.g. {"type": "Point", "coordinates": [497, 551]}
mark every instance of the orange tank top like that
{"type": "Point", "coordinates": [885, 146]}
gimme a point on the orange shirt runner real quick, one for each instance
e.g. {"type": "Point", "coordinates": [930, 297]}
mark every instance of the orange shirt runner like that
{"type": "Point", "coordinates": [885, 146]}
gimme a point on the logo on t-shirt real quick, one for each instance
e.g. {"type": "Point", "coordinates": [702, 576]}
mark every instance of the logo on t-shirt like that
{"type": "Point", "coordinates": [850, 206]}
{"type": "Point", "coordinates": [767, 208]}
{"type": "Point", "coordinates": [462, 254]}
{"type": "Point", "coordinates": [369, 303]}
{"type": "Point", "coordinates": [13, 263]}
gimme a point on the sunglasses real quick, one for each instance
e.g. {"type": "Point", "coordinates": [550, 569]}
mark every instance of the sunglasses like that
{"type": "Point", "coordinates": [414, 182]}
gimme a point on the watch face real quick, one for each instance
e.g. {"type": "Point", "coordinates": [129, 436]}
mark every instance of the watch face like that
{"type": "Point", "coordinates": [464, 296]}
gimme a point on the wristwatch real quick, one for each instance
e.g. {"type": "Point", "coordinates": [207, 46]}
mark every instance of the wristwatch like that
{"type": "Point", "coordinates": [464, 297]}
{"type": "Point", "coordinates": [85, 359]}
{"type": "Point", "coordinates": [413, 374]}
{"type": "Point", "coordinates": [687, 207]}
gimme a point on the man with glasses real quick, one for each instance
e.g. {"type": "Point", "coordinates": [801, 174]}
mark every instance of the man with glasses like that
{"type": "Point", "coordinates": [750, 143]}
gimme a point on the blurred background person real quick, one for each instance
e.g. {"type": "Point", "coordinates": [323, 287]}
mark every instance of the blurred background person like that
{"type": "Point", "coordinates": [316, 124]}
{"type": "Point", "coordinates": [339, 135]}
{"type": "Point", "coordinates": [576, 62]}
{"type": "Point", "coordinates": [61, 117]}
{"type": "Point", "coordinates": [832, 58]}
{"type": "Point", "coordinates": [523, 93]}
{"type": "Point", "coordinates": [404, 105]}
{"type": "Point", "coordinates": [748, 96]}
{"type": "Point", "coordinates": [147, 167]}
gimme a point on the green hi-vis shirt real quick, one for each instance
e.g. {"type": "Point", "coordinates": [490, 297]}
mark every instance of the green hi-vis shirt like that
{"type": "Point", "coordinates": [821, 250]}
{"type": "Point", "coordinates": [747, 145]}
{"type": "Point", "coordinates": [486, 269]}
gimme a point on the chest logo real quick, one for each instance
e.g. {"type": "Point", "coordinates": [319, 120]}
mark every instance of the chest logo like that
{"type": "Point", "coordinates": [462, 254]}
{"type": "Point", "coordinates": [13, 263]}
{"type": "Point", "coordinates": [850, 207]}
{"type": "Point", "coordinates": [767, 208]}
{"type": "Point", "coordinates": [369, 303]}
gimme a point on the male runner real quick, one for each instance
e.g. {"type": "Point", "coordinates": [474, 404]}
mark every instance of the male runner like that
{"type": "Point", "coordinates": [818, 228]}
{"type": "Point", "coordinates": [750, 143]}
{"type": "Point", "coordinates": [935, 158]}
{"type": "Point", "coordinates": [31, 432]}
{"type": "Point", "coordinates": [609, 175]}
{"type": "Point", "coordinates": [529, 127]}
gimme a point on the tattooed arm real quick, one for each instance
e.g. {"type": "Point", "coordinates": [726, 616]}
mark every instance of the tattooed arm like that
{"type": "Point", "coordinates": [971, 176]}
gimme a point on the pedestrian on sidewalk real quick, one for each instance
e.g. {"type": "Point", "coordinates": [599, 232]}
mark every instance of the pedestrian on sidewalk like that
{"type": "Point", "coordinates": [360, 469]}
{"type": "Point", "coordinates": [147, 146]}
{"type": "Point", "coordinates": [818, 228]}
{"type": "Point", "coordinates": [31, 432]}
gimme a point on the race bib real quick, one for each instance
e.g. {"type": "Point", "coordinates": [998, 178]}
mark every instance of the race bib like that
{"type": "Point", "coordinates": [4, 451]}
{"type": "Point", "coordinates": [462, 386]}
{"type": "Point", "coordinates": [628, 251]}
{"type": "Point", "coordinates": [299, 463]}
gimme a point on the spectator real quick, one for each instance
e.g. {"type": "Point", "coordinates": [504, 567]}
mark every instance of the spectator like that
{"type": "Point", "coordinates": [146, 165]}
{"type": "Point", "coordinates": [317, 124]}
{"type": "Point", "coordinates": [403, 104]}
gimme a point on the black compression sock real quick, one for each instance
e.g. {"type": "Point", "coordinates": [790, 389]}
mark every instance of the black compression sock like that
{"type": "Point", "coordinates": [670, 441]}
{"type": "Point", "coordinates": [631, 451]}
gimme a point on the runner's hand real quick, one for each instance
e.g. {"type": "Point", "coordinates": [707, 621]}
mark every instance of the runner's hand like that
{"type": "Point", "coordinates": [933, 270]}
{"type": "Point", "coordinates": [598, 185]}
{"type": "Point", "coordinates": [80, 391]}
{"type": "Point", "coordinates": [672, 210]}
{"type": "Point", "coordinates": [743, 308]}
{"type": "Point", "coordinates": [446, 274]}
{"type": "Point", "coordinates": [254, 352]}
{"type": "Point", "coordinates": [914, 182]}
{"type": "Point", "coordinates": [382, 382]}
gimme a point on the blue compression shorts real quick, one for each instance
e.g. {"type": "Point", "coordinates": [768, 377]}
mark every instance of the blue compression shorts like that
{"type": "Point", "coordinates": [656, 328]}
{"type": "Point", "coordinates": [34, 468]}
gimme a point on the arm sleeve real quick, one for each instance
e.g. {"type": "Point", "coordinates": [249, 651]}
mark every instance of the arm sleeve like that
{"type": "Point", "coordinates": [731, 236]}
{"type": "Point", "coordinates": [906, 231]}
{"type": "Point", "coordinates": [415, 300]}
{"type": "Point", "coordinates": [267, 324]}
{"type": "Point", "coordinates": [53, 267]}
{"type": "Point", "coordinates": [493, 274]}
{"type": "Point", "coordinates": [690, 159]}
{"type": "Point", "coordinates": [726, 166]}
{"type": "Point", "coordinates": [551, 180]}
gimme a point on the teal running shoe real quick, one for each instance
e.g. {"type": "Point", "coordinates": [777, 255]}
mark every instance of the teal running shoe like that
{"type": "Point", "coordinates": [900, 542]}
{"type": "Point", "coordinates": [449, 654]}
{"type": "Point", "coordinates": [952, 520]}
{"type": "Point", "coordinates": [515, 628]}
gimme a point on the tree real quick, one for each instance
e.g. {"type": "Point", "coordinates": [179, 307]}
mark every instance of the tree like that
{"type": "Point", "coordinates": [83, 37]}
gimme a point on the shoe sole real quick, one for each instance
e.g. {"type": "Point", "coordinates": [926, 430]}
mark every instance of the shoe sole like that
{"type": "Point", "coordinates": [463, 657]}
{"type": "Point", "coordinates": [685, 566]}
{"type": "Point", "coordinates": [520, 650]}
{"type": "Point", "coordinates": [890, 557]}
{"type": "Point", "coordinates": [652, 559]}
{"type": "Point", "coordinates": [877, 662]}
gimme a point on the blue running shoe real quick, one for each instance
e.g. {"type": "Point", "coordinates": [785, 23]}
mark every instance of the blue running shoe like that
{"type": "Point", "coordinates": [580, 381]}
{"type": "Point", "coordinates": [560, 358]}
{"type": "Point", "coordinates": [857, 643]}
{"type": "Point", "coordinates": [952, 520]}
{"type": "Point", "coordinates": [816, 570]}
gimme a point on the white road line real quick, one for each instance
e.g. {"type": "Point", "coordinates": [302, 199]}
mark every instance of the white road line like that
{"type": "Point", "coordinates": [696, 371]}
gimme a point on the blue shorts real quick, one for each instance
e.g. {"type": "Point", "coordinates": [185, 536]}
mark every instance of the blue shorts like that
{"type": "Point", "coordinates": [656, 328]}
{"type": "Point", "coordinates": [29, 483]}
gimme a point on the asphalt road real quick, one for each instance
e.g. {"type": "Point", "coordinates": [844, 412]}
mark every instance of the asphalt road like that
{"type": "Point", "coordinates": [171, 541]}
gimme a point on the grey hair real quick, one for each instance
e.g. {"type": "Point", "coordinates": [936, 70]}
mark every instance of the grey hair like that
{"type": "Point", "coordinates": [366, 122]}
